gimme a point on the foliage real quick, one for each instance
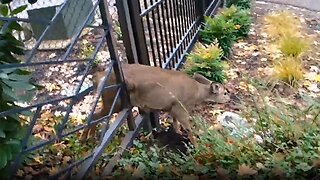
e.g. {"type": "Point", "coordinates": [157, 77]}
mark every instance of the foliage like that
{"type": "Point", "coordinates": [293, 46]}
{"type": "Point", "coordinates": [290, 148]}
{"type": "Point", "coordinates": [240, 18]}
{"type": "Point", "coordinates": [242, 4]}
{"type": "Point", "coordinates": [220, 30]}
{"type": "Point", "coordinates": [206, 60]}
{"type": "Point", "coordinates": [15, 86]}
{"type": "Point", "coordinates": [87, 49]}
{"type": "Point", "coordinates": [9, 1]}
{"type": "Point", "coordinates": [288, 70]}
{"type": "Point", "coordinates": [282, 24]}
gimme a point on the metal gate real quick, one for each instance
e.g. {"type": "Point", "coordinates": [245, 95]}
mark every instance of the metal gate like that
{"type": "Point", "coordinates": [63, 133]}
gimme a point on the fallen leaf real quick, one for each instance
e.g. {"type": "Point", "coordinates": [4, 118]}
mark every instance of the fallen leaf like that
{"type": "Point", "coordinates": [260, 166]}
{"type": "Point", "coordinates": [316, 163]}
{"type": "Point", "coordinates": [222, 174]}
{"type": "Point", "coordinates": [66, 159]}
{"type": "Point", "coordinates": [317, 78]}
{"type": "Point", "coordinates": [190, 177]}
{"type": "Point", "coordinates": [246, 170]}
{"type": "Point", "coordinates": [161, 168]}
{"type": "Point", "coordinates": [138, 173]}
{"type": "Point", "coordinates": [263, 59]}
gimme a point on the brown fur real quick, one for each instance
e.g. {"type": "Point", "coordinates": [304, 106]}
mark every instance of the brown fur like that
{"type": "Point", "coordinates": [156, 89]}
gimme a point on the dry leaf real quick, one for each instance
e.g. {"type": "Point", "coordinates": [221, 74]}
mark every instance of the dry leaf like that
{"type": "Point", "coordinates": [138, 173]}
{"type": "Point", "coordinates": [316, 163]}
{"type": "Point", "coordinates": [161, 168]}
{"type": "Point", "coordinates": [246, 170]}
{"type": "Point", "coordinates": [190, 177]}
{"type": "Point", "coordinates": [66, 159]}
{"type": "Point", "coordinates": [222, 174]}
{"type": "Point", "coordinates": [260, 166]}
{"type": "Point", "coordinates": [317, 78]}
{"type": "Point", "coordinates": [279, 156]}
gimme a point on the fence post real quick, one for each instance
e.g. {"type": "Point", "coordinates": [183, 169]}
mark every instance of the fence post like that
{"type": "Point", "coordinates": [131, 25]}
{"type": "Point", "coordinates": [200, 9]}
{"type": "Point", "coordinates": [111, 42]}
{"type": "Point", "coordinates": [137, 30]}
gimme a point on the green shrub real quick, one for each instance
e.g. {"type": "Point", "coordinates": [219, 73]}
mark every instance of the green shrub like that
{"type": "Point", "coordinates": [242, 4]}
{"type": "Point", "coordinates": [13, 81]}
{"type": "Point", "coordinates": [220, 30]}
{"type": "Point", "coordinates": [206, 60]}
{"type": "Point", "coordinates": [240, 18]}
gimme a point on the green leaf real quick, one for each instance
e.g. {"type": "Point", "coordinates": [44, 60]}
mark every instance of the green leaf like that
{"type": "Point", "coordinates": [3, 76]}
{"type": "Point", "coordinates": [8, 70]}
{"type": "Point", "coordinates": [18, 77]}
{"type": "Point", "coordinates": [3, 43]}
{"type": "Point", "coordinates": [18, 9]}
{"type": "Point", "coordinates": [17, 85]}
{"type": "Point", "coordinates": [15, 145]}
{"type": "Point", "coordinates": [2, 134]}
{"type": "Point", "coordinates": [4, 10]}
{"type": "Point", "coordinates": [15, 26]}
{"type": "Point", "coordinates": [3, 158]}
{"type": "Point", "coordinates": [8, 125]}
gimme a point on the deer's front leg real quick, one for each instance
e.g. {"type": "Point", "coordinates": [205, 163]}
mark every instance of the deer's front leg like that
{"type": "Point", "coordinates": [181, 115]}
{"type": "Point", "coordinates": [89, 132]}
{"type": "Point", "coordinates": [176, 126]}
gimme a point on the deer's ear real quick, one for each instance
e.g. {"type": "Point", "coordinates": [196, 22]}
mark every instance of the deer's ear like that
{"type": "Point", "coordinates": [201, 79]}
{"type": "Point", "coordinates": [215, 88]}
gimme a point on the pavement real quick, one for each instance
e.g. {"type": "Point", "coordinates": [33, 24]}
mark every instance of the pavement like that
{"type": "Point", "coordinates": [313, 5]}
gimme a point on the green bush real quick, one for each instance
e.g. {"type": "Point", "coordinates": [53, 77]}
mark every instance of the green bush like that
{"type": "Point", "coordinates": [206, 60]}
{"type": "Point", "coordinates": [220, 30]}
{"type": "Point", "coordinates": [242, 4]}
{"type": "Point", "coordinates": [13, 83]}
{"type": "Point", "coordinates": [291, 145]}
{"type": "Point", "coordinates": [240, 18]}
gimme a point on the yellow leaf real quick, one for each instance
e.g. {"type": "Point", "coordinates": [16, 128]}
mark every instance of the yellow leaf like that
{"type": "Point", "coordinates": [246, 170]}
{"type": "Point", "coordinates": [317, 78]}
{"type": "Point", "coordinates": [161, 168]}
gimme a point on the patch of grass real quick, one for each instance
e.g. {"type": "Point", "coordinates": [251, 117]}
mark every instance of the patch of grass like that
{"type": "Point", "coordinates": [281, 24]}
{"type": "Point", "coordinates": [288, 70]}
{"type": "Point", "coordinates": [292, 46]}
{"type": "Point", "coordinates": [206, 60]}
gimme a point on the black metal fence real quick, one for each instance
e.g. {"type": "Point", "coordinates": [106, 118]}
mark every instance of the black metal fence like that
{"type": "Point", "coordinates": [72, 36]}
{"type": "Point", "coordinates": [161, 32]}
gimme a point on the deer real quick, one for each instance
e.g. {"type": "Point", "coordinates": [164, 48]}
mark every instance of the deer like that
{"type": "Point", "coordinates": [156, 89]}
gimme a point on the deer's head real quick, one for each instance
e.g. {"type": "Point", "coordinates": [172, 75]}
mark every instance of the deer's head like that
{"type": "Point", "coordinates": [215, 92]}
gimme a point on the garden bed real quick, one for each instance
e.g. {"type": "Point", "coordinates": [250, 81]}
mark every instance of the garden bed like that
{"type": "Point", "coordinates": [282, 110]}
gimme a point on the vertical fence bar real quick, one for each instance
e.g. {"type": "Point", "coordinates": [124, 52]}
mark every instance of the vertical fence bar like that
{"type": "Point", "coordinates": [138, 31]}
{"type": "Point", "coordinates": [200, 9]}
{"type": "Point", "coordinates": [127, 31]}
